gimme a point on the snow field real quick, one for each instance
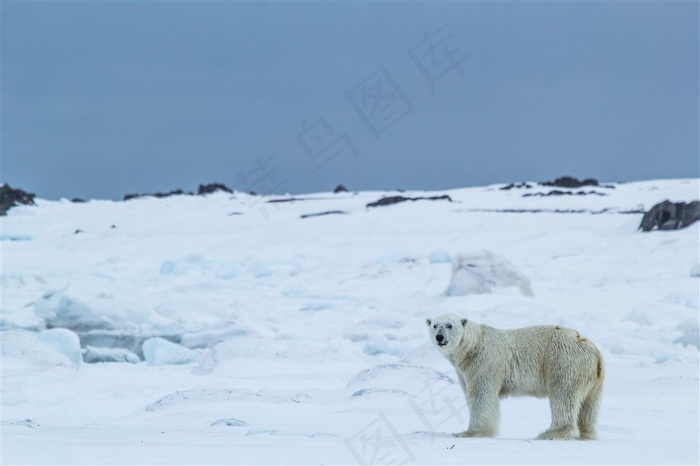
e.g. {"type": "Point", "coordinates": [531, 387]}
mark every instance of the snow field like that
{"type": "Point", "coordinates": [276, 339]}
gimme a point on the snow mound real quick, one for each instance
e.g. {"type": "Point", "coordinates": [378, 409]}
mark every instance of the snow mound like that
{"type": "Point", "coordinates": [395, 377]}
{"type": "Point", "coordinates": [199, 395]}
{"type": "Point", "coordinates": [29, 423]}
{"type": "Point", "coordinates": [690, 333]}
{"type": "Point", "coordinates": [26, 349]}
{"type": "Point", "coordinates": [378, 343]}
{"type": "Point", "coordinates": [15, 236]}
{"type": "Point", "coordinates": [381, 336]}
{"type": "Point", "coordinates": [480, 272]}
{"type": "Point", "coordinates": [210, 338]}
{"type": "Point", "coordinates": [159, 351]}
{"type": "Point", "coordinates": [374, 392]}
{"type": "Point", "coordinates": [230, 422]}
{"type": "Point", "coordinates": [65, 342]}
{"type": "Point", "coordinates": [81, 310]}
{"type": "Point", "coordinates": [217, 396]}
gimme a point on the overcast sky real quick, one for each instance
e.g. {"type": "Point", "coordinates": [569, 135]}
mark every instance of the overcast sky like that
{"type": "Point", "coordinates": [103, 99]}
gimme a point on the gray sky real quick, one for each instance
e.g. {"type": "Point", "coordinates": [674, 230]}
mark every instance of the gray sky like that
{"type": "Point", "coordinates": [103, 99]}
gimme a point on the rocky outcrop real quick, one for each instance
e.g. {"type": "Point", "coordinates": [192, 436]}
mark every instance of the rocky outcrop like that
{"type": "Point", "coordinates": [522, 185]}
{"type": "Point", "coordinates": [159, 195]}
{"type": "Point", "coordinates": [321, 214]}
{"type": "Point", "coordinates": [570, 182]}
{"type": "Point", "coordinates": [397, 199]}
{"type": "Point", "coordinates": [669, 215]}
{"type": "Point", "coordinates": [202, 189]}
{"type": "Point", "coordinates": [10, 198]}
{"type": "Point", "coordinates": [212, 188]}
{"type": "Point", "coordinates": [558, 192]}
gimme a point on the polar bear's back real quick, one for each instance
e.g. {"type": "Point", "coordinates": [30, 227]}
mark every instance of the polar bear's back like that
{"type": "Point", "coordinates": [541, 357]}
{"type": "Point", "coordinates": [548, 339]}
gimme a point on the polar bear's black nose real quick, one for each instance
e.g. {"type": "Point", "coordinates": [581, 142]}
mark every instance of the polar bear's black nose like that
{"type": "Point", "coordinates": [439, 338]}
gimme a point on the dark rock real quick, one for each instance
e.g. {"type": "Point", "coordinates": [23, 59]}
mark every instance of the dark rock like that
{"type": "Point", "coordinates": [516, 186]}
{"type": "Point", "coordinates": [159, 195]}
{"type": "Point", "coordinates": [570, 182]}
{"type": "Point", "coordinates": [632, 211]}
{"type": "Point", "coordinates": [388, 201]}
{"type": "Point", "coordinates": [330, 212]}
{"type": "Point", "coordinates": [397, 199]}
{"type": "Point", "coordinates": [10, 198]}
{"type": "Point", "coordinates": [340, 189]}
{"type": "Point", "coordinates": [78, 200]}
{"type": "Point", "coordinates": [557, 192]}
{"type": "Point", "coordinates": [78, 231]}
{"type": "Point", "coordinates": [212, 188]}
{"type": "Point", "coordinates": [176, 192]}
{"type": "Point", "coordinates": [558, 211]}
{"type": "Point", "coordinates": [669, 215]}
{"type": "Point", "coordinates": [290, 199]}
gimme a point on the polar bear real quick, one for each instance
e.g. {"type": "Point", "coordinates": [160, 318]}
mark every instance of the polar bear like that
{"type": "Point", "coordinates": [542, 361]}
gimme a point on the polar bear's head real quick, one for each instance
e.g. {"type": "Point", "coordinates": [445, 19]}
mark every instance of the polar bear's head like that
{"type": "Point", "coordinates": [446, 331]}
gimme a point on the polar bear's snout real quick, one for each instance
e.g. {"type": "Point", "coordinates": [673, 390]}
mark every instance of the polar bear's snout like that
{"type": "Point", "coordinates": [441, 340]}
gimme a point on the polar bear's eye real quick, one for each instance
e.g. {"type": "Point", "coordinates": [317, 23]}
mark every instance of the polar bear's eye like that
{"type": "Point", "coordinates": [449, 325]}
{"type": "Point", "coordinates": [435, 326]}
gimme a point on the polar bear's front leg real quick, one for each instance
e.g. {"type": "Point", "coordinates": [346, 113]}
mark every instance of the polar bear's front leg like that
{"type": "Point", "coordinates": [484, 410]}
{"type": "Point", "coordinates": [463, 384]}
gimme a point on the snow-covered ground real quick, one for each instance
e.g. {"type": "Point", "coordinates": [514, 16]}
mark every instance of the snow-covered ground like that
{"type": "Point", "coordinates": [272, 338]}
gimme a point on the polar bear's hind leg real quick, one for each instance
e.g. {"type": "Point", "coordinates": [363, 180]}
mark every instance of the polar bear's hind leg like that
{"type": "Point", "coordinates": [565, 406]}
{"type": "Point", "coordinates": [589, 413]}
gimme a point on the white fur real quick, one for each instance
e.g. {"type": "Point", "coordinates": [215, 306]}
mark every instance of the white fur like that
{"type": "Point", "coordinates": [542, 361]}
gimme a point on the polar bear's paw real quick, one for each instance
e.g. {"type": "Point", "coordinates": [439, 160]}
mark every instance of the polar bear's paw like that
{"type": "Point", "coordinates": [472, 433]}
{"type": "Point", "coordinates": [588, 435]}
{"type": "Point", "coordinates": [560, 433]}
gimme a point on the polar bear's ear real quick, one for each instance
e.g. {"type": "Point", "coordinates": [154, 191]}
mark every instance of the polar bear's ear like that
{"type": "Point", "coordinates": [428, 322]}
{"type": "Point", "coordinates": [464, 322]}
